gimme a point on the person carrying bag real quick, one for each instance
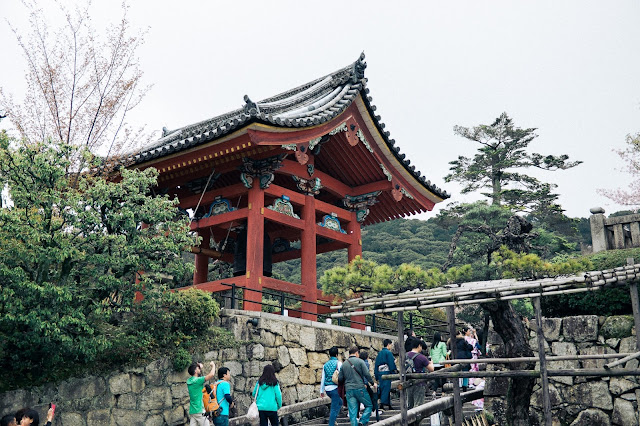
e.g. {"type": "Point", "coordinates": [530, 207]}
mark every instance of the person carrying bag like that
{"type": "Point", "coordinates": [354, 372]}
{"type": "Point", "coordinates": [268, 398]}
{"type": "Point", "coordinates": [330, 384]}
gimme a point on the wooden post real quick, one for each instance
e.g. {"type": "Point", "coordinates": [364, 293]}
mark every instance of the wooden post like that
{"type": "Point", "coordinates": [457, 402]}
{"type": "Point", "coordinates": [401, 359]}
{"type": "Point", "coordinates": [255, 248]}
{"type": "Point", "coordinates": [200, 275]}
{"type": "Point", "coordinates": [546, 400]}
{"type": "Point", "coordinates": [355, 249]}
{"type": "Point", "coordinates": [308, 259]}
{"type": "Point", "coordinates": [635, 305]}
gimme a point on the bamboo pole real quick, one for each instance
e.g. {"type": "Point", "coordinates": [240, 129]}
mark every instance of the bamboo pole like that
{"type": "Point", "coordinates": [584, 372]}
{"type": "Point", "coordinates": [622, 361]}
{"type": "Point", "coordinates": [401, 376]}
{"type": "Point", "coordinates": [590, 279]}
{"type": "Point", "coordinates": [461, 302]}
{"type": "Point", "coordinates": [457, 402]}
{"type": "Point", "coordinates": [635, 305]}
{"type": "Point", "coordinates": [429, 408]}
{"type": "Point", "coordinates": [535, 359]}
{"type": "Point", "coordinates": [546, 400]}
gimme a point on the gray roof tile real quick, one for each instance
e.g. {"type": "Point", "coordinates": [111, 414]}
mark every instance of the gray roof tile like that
{"type": "Point", "coordinates": [310, 104]}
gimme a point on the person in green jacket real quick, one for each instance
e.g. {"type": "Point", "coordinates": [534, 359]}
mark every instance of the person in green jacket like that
{"type": "Point", "coordinates": [268, 396]}
{"type": "Point", "coordinates": [438, 354]}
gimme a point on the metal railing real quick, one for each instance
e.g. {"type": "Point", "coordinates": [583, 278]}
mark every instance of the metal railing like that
{"type": "Point", "coordinates": [423, 325]}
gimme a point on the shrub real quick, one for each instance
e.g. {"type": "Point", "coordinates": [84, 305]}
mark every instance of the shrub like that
{"type": "Point", "coordinates": [614, 258]}
{"type": "Point", "coordinates": [181, 359]}
{"type": "Point", "coordinates": [193, 311]}
{"type": "Point", "coordinates": [611, 301]}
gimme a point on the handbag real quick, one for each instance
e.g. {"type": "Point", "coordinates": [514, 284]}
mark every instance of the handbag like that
{"type": "Point", "coordinates": [335, 375]}
{"type": "Point", "coordinates": [445, 364]}
{"type": "Point", "coordinates": [252, 412]}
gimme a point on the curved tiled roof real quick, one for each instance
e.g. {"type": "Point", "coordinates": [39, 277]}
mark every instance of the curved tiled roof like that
{"type": "Point", "coordinates": [311, 104]}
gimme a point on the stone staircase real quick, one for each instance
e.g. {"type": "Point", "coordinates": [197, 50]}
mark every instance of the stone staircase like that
{"type": "Point", "coordinates": [468, 410]}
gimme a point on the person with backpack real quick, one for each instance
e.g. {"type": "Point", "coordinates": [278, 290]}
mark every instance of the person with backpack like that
{"type": "Point", "coordinates": [223, 396]}
{"type": "Point", "coordinates": [355, 374]}
{"type": "Point", "coordinates": [329, 387]}
{"type": "Point", "coordinates": [195, 383]}
{"type": "Point", "coordinates": [415, 362]}
{"type": "Point", "coordinates": [385, 364]}
{"type": "Point", "coordinates": [268, 396]}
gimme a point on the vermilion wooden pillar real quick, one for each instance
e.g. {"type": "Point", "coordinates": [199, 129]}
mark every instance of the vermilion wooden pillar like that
{"type": "Point", "coordinates": [354, 230]}
{"type": "Point", "coordinates": [255, 244]}
{"type": "Point", "coordinates": [308, 267]}
{"type": "Point", "coordinates": [200, 275]}
{"type": "Point", "coordinates": [355, 249]}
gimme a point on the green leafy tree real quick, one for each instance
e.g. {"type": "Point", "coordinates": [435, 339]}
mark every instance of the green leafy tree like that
{"type": "Point", "coordinates": [73, 257]}
{"type": "Point", "coordinates": [502, 153]}
{"type": "Point", "coordinates": [366, 276]}
{"type": "Point", "coordinates": [479, 232]}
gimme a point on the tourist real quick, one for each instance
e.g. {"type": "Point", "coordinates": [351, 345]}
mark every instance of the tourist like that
{"type": "Point", "coordinates": [463, 352]}
{"type": "Point", "coordinates": [195, 383]}
{"type": "Point", "coordinates": [223, 395]}
{"type": "Point", "coordinates": [30, 417]}
{"type": "Point", "coordinates": [385, 364]}
{"type": "Point", "coordinates": [328, 387]}
{"type": "Point", "coordinates": [409, 333]}
{"type": "Point", "coordinates": [8, 420]}
{"type": "Point", "coordinates": [438, 355]}
{"type": "Point", "coordinates": [354, 372]}
{"type": "Point", "coordinates": [268, 396]}
{"type": "Point", "coordinates": [421, 364]}
{"type": "Point", "coordinates": [472, 338]}
{"type": "Point", "coordinates": [364, 355]}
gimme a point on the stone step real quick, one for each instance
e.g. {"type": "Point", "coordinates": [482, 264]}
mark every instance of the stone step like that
{"type": "Point", "coordinates": [468, 410]}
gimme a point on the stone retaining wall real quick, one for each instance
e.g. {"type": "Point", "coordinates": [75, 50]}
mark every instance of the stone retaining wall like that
{"type": "Point", "coordinates": [579, 401]}
{"type": "Point", "coordinates": [155, 395]}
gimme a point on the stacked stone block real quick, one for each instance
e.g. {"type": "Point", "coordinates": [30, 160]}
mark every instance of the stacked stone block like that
{"type": "Point", "coordinates": [579, 401]}
{"type": "Point", "coordinates": [155, 395]}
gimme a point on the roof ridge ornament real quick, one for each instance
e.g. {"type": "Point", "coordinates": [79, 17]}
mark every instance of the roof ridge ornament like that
{"type": "Point", "coordinates": [358, 69]}
{"type": "Point", "coordinates": [251, 107]}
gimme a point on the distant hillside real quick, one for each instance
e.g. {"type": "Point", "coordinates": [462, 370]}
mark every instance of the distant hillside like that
{"type": "Point", "coordinates": [402, 241]}
{"type": "Point", "coordinates": [395, 242]}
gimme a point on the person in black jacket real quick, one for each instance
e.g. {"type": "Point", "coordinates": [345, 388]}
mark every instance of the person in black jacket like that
{"type": "Point", "coordinates": [464, 352]}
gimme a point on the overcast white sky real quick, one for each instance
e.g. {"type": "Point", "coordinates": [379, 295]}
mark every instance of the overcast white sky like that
{"type": "Point", "coordinates": [569, 68]}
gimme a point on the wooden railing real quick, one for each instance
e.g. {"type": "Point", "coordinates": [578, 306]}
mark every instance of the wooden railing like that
{"type": "Point", "coordinates": [430, 408]}
{"type": "Point", "coordinates": [284, 411]}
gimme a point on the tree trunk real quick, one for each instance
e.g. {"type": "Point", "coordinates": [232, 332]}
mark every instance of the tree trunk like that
{"type": "Point", "coordinates": [496, 182]}
{"type": "Point", "coordinates": [485, 334]}
{"type": "Point", "coordinates": [516, 344]}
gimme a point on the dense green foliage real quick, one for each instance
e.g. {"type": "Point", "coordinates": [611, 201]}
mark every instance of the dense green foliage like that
{"type": "Point", "coordinates": [613, 301]}
{"type": "Point", "coordinates": [73, 249]}
{"type": "Point", "coordinates": [367, 276]}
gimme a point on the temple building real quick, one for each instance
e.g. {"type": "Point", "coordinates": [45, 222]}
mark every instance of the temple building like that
{"type": "Point", "coordinates": [288, 177]}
